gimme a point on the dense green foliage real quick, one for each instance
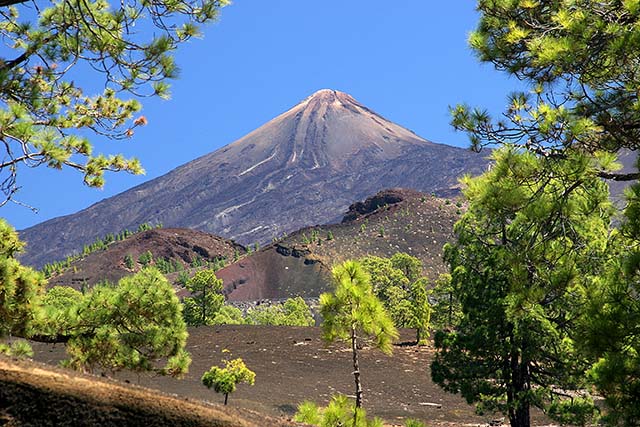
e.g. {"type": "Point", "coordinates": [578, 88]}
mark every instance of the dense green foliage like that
{"type": "Point", "coordinates": [57, 316]}
{"type": "Point", "coordinates": [228, 315]}
{"type": "Point", "coordinates": [206, 298]}
{"type": "Point", "coordinates": [446, 308]}
{"type": "Point", "coordinates": [535, 231]}
{"type": "Point", "coordinates": [293, 312]}
{"type": "Point", "coordinates": [133, 325]}
{"type": "Point", "coordinates": [580, 60]}
{"type": "Point", "coordinates": [611, 329]}
{"type": "Point", "coordinates": [420, 309]}
{"type": "Point", "coordinates": [18, 348]}
{"type": "Point", "coordinates": [353, 313]}
{"type": "Point", "coordinates": [397, 282]}
{"type": "Point", "coordinates": [20, 287]}
{"type": "Point", "coordinates": [224, 380]}
{"type": "Point", "coordinates": [340, 412]}
{"type": "Point", "coordinates": [46, 115]}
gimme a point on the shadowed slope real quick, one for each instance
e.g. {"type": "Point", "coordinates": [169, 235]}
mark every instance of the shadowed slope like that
{"type": "Point", "coordinates": [33, 394]}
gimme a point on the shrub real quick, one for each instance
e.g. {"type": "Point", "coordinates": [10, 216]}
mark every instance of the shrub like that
{"type": "Point", "coordinates": [293, 312]}
{"type": "Point", "coordinates": [340, 412]}
{"type": "Point", "coordinates": [20, 349]}
{"type": "Point", "coordinates": [224, 380]}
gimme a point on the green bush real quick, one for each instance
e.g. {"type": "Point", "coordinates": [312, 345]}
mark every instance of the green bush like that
{"type": "Point", "coordinates": [228, 315]}
{"type": "Point", "coordinates": [293, 312]}
{"type": "Point", "coordinates": [20, 349]}
{"type": "Point", "coordinates": [128, 262]}
{"type": "Point", "coordinates": [340, 412]}
{"type": "Point", "coordinates": [146, 258]}
{"type": "Point", "coordinates": [224, 380]}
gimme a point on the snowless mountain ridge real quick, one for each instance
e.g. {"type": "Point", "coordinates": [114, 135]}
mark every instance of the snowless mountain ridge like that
{"type": "Point", "coordinates": [304, 167]}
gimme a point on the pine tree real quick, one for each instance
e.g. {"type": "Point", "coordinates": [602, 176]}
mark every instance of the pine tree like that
{"type": "Point", "coordinates": [535, 230]}
{"type": "Point", "coordinates": [354, 314]}
{"type": "Point", "coordinates": [397, 282]}
{"type": "Point", "coordinates": [206, 298]}
{"type": "Point", "coordinates": [20, 287]}
{"type": "Point", "coordinates": [611, 332]}
{"type": "Point", "coordinates": [134, 325]}
{"type": "Point", "coordinates": [224, 380]}
{"type": "Point", "coordinates": [47, 116]}
{"type": "Point", "coordinates": [577, 61]}
{"type": "Point", "coordinates": [420, 310]}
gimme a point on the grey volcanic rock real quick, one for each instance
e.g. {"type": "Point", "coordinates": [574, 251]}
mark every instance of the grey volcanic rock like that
{"type": "Point", "coordinates": [304, 167]}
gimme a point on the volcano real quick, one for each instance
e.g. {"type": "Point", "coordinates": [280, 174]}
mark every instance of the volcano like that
{"type": "Point", "coordinates": [304, 167]}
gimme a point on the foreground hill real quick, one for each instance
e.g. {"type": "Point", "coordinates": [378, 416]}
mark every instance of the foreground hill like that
{"type": "Point", "coordinates": [303, 167]}
{"type": "Point", "coordinates": [34, 394]}
{"type": "Point", "coordinates": [177, 248]}
{"type": "Point", "coordinates": [391, 221]}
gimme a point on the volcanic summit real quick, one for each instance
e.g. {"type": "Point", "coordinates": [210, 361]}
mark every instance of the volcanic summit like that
{"type": "Point", "coordinates": [304, 167]}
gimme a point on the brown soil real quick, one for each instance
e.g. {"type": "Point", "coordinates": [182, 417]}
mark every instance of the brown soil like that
{"type": "Point", "coordinates": [176, 244]}
{"type": "Point", "coordinates": [293, 364]}
{"type": "Point", "coordinates": [392, 221]}
{"type": "Point", "coordinates": [33, 394]}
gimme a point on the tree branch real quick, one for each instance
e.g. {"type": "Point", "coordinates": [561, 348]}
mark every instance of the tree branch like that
{"type": "Point", "coordinates": [4, 3]}
{"type": "Point", "coordinates": [619, 176]}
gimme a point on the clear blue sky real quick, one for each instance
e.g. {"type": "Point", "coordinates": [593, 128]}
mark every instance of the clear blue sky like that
{"type": "Point", "coordinates": [406, 60]}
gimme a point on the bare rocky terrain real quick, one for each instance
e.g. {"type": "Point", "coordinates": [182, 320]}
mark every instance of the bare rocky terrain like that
{"type": "Point", "coordinates": [293, 364]}
{"type": "Point", "coordinates": [304, 167]}
{"type": "Point", "coordinates": [176, 245]}
{"type": "Point", "coordinates": [395, 220]}
{"type": "Point", "coordinates": [391, 221]}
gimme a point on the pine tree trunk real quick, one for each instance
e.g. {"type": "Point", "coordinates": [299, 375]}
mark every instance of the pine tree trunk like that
{"type": "Point", "coordinates": [204, 313]}
{"type": "Point", "coordinates": [356, 368]}
{"type": "Point", "coordinates": [520, 416]}
{"type": "Point", "coordinates": [226, 397]}
{"type": "Point", "coordinates": [518, 408]}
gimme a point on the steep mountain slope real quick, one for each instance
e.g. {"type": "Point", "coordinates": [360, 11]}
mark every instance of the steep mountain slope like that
{"type": "Point", "coordinates": [181, 248]}
{"type": "Point", "coordinates": [304, 167]}
{"type": "Point", "coordinates": [391, 221]}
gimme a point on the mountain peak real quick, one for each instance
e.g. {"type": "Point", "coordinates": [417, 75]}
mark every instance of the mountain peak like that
{"type": "Point", "coordinates": [305, 166]}
{"type": "Point", "coordinates": [328, 96]}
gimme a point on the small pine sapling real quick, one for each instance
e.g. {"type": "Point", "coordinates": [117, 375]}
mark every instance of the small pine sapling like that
{"type": "Point", "coordinates": [224, 380]}
{"type": "Point", "coordinates": [128, 261]}
{"type": "Point", "coordinates": [352, 313]}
